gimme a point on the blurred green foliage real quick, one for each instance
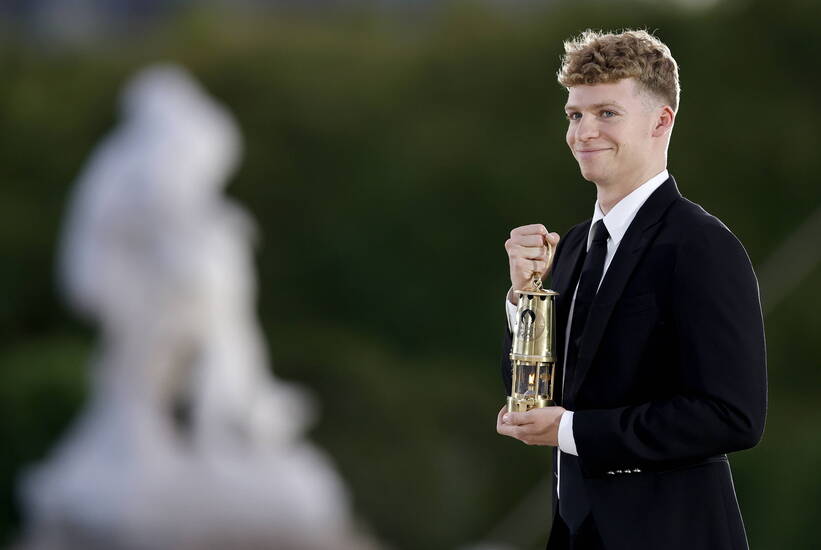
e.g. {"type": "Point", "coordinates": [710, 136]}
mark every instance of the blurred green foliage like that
{"type": "Point", "coordinates": [385, 162]}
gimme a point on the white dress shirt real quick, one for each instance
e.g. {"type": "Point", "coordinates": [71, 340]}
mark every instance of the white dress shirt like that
{"type": "Point", "coordinates": [616, 221]}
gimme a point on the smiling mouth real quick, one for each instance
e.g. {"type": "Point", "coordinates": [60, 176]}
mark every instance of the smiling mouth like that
{"type": "Point", "coordinates": [589, 153]}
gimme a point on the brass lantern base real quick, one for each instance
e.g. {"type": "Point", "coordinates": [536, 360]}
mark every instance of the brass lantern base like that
{"type": "Point", "coordinates": [526, 403]}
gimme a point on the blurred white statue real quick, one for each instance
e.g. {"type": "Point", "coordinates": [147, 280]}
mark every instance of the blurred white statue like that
{"type": "Point", "coordinates": [187, 441]}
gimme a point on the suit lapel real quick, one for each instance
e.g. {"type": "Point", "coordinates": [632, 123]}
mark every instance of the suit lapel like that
{"type": "Point", "coordinates": [565, 276]}
{"type": "Point", "coordinates": [567, 271]}
{"type": "Point", "coordinates": [639, 235]}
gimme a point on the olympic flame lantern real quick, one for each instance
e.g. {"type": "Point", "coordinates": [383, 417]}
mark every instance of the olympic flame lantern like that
{"type": "Point", "coordinates": [532, 356]}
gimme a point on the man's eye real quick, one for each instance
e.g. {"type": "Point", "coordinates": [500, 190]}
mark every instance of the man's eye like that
{"type": "Point", "coordinates": [608, 114]}
{"type": "Point", "coordinates": [574, 116]}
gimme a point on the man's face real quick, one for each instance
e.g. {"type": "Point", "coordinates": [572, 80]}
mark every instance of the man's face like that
{"type": "Point", "coordinates": [610, 130]}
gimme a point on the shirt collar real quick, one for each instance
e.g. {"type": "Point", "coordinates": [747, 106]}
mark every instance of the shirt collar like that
{"type": "Point", "coordinates": [618, 219]}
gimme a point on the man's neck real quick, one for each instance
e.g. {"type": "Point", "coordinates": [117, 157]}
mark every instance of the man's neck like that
{"type": "Point", "coordinates": [611, 194]}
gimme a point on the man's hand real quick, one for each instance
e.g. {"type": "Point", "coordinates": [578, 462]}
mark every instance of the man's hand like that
{"type": "Point", "coordinates": [534, 427]}
{"type": "Point", "coordinates": [527, 253]}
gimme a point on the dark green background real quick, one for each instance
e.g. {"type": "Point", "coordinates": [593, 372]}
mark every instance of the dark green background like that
{"type": "Point", "coordinates": [387, 156]}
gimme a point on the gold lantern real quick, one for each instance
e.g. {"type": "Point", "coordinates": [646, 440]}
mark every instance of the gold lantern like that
{"type": "Point", "coordinates": [532, 356]}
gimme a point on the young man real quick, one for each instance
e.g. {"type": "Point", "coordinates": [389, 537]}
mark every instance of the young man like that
{"type": "Point", "coordinates": [659, 328]}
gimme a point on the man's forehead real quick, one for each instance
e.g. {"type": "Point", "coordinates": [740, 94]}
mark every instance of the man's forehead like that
{"type": "Point", "coordinates": [597, 95]}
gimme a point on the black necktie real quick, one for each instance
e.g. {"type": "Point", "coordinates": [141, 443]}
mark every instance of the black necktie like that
{"type": "Point", "coordinates": [573, 502]}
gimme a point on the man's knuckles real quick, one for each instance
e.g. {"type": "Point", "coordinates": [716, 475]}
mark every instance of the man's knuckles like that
{"type": "Point", "coordinates": [527, 240]}
{"type": "Point", "coordinates": [532, 229]}
{"type": "Point", "coordinates": [528, 254]}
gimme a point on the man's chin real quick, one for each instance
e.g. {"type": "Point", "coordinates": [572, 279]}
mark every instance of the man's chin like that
{"type": "Point", "coordinates": [590, 174]}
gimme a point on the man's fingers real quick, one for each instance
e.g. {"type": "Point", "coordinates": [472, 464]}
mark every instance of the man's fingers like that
{"type": "Point", "coordinates": [527, 267]}
{"type": "Point", "coordinates": [510, 430]}
{"type": "Point", "coordinates": [516, 425]}
{"type": "Point", "coordinates": [522, 433]}
{"type": "Point", "coordinates": [553, 238]}
{"type": "Point", "coordinates": [528, 240]}
{"type": "Point", "coordinates": [518, 418]}
{"type": "Point", "coordinates": [532, 229]}
{"type": "Point", "coordinates": [528, 252]}
{"type": "Point", "coordinates": [538, 248]}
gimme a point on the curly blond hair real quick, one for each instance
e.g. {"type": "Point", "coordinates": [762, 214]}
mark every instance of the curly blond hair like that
{"type": "Point", "coordinates": [596, 57]}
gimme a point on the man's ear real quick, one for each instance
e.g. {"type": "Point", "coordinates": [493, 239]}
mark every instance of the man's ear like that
{"type": "Point", "coordinates": [664, 121]}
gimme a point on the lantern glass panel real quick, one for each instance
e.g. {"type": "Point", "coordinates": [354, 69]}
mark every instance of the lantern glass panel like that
{"type": "Point", "coordinates": [527, 380]}
{"type": "Point", "coordinates": [543, 383]}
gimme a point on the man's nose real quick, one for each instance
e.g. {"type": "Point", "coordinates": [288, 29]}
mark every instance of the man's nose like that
{"type": "Point", "coordinates": [587, 129]}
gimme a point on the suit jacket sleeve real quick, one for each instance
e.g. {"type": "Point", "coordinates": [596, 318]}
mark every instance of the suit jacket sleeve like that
{"type": "Point", "coordinates": [718, 363]}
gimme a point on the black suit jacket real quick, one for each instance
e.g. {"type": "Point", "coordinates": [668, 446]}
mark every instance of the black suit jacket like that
{"type": "Point", "coordinates": [671, 375]}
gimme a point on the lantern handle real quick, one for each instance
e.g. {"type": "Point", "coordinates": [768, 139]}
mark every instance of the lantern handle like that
{"type": "Point", "coordinates": [536, 281]}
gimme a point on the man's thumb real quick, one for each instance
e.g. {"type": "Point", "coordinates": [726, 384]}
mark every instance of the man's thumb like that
{"type": "Point", "coordinates": [514, 418]}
